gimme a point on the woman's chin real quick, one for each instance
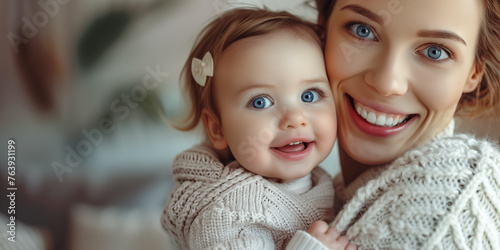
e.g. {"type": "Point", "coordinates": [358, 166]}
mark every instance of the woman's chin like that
{"type": "Point", "coordinates": [371, 153]}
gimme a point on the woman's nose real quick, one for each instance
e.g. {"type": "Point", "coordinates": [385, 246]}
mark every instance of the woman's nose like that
{"type": "Point", "coordinates": [388, 77]}
{"type": "Point", "coordinates": [292, 118]}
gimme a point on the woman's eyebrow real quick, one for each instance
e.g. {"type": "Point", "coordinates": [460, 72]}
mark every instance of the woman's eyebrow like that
{"type": "Point", "coordinates": [441, 34]}
{"type": "Point", "coordinates": [365, 12]}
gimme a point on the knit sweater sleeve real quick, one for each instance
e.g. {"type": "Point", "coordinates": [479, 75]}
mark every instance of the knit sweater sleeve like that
{"type": "Point", "coordinates": [440, 196]}
{"type": "Point", "coordinates": [201, 179]}
{"type": "Point", "coordinates": [223, 228]}
{"type": "Point", "coordinates": [301, 240]}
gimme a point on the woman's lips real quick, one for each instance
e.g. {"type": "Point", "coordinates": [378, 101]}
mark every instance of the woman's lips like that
{"type": "Point", "coordinates": [378, 118]}
{"type": "Point", "coordinates": [376, 123]}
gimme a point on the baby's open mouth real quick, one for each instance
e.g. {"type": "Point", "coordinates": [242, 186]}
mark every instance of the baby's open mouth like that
{"type": "Point", "coordinates": [293, 147]}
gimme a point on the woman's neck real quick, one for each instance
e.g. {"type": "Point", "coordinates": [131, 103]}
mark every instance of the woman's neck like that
{"type": "Point", "coordinates": [351, 168]}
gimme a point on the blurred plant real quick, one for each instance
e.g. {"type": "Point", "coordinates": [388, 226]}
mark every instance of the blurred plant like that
{"type": "Point", "coordinates": [100, 35]}
{"type": "Point", "coordinates": [106, 29]}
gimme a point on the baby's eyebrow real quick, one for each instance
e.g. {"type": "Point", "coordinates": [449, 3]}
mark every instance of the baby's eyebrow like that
{"type": "Point", "coordinates": [254, 86]}
{"type": "Point", "coordinates": [317, 80]}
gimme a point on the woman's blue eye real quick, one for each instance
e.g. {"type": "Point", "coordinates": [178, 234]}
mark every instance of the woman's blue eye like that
{"type": "Point", "coordinates": [362, 31]}
{"type": "Point", "coordinates": [261, 102]}
{"type": "Point", "coordinates": [435, 53]}
{"type": "Point", "coordinates": [310, 96]}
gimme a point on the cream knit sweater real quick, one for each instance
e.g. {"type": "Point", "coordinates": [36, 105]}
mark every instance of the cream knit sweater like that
{"type": "Point", "coordinates": [228, 207]}
{"type": "Point", "coordinates": [444, 195]}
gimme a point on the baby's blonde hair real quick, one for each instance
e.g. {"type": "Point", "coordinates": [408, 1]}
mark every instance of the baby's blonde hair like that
{"type": "Point", "coordinates": [232, 26]}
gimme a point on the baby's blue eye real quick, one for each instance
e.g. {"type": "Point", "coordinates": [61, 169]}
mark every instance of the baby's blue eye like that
{"type": "Point", "coordinates": [261, 102]}
{"type": "Point", "coordinates": [362, 31]}
{"type": "Point", "coordinates": [435, 53]}
{"type": "Point", "coordinates": [310, 96]}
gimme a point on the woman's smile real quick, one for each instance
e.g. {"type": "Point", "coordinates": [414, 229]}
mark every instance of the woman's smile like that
{"type": "Point", "coordinates": [377, 123]}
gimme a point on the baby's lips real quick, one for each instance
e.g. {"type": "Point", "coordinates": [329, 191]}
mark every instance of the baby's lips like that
{"type": "Point", "coordinates": [292, 148]}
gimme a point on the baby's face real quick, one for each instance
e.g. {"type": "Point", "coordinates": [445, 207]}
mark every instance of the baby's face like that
{"type": "Point", "coordinates": [276, 107]}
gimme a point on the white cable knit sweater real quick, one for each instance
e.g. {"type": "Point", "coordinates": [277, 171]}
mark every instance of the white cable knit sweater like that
{"type": "Point", "coordinates": [228, 207]}
{"type": "Point", "coordinates": [444, 195]}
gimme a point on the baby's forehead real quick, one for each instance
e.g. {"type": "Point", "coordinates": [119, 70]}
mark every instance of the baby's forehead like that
{"type": "Point", "coordinates": [274, 62]}
{"type": "Point", "coordinates": [279, 35]}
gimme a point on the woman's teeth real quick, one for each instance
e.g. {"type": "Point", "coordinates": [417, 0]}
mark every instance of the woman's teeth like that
{"type": "Point", "coordinates": [380, 119]}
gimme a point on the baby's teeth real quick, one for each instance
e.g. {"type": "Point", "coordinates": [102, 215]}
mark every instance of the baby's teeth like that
{"type": "Point", "coordinates": [380, 120]}
{"type": "Point", "coordinates": [294, 143]}
{"type": "Point", "coordinates": [372, 118]}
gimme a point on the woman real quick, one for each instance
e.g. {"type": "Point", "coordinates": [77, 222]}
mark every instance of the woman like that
{"type": "Point", "coordinates": [400, 70]}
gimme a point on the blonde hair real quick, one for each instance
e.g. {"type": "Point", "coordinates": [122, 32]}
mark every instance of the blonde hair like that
{"type": "Point", "coordinates": [486, 97]}
{"type": "Point", "coordinates": [232, 26]}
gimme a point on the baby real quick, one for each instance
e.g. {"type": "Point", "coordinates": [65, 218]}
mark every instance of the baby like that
{"type": "Point", "coordinates": [257, 80]}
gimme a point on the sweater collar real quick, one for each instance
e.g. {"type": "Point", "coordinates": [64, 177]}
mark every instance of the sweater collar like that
{"type": "Point", "coordinates": [345, 193]}
{"type": "Point", "coordinates": [298, 186]}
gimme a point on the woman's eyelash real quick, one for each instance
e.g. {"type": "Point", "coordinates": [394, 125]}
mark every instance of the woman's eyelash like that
{"type": "Point", "coordinates": [441, 46]}
{"type": "Point", "coordinates": [348, 28]}
{"type": "Point", "coordinates": [445, 48]}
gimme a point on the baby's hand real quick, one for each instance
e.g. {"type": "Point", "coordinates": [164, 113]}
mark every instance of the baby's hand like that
{"type": "Point", "coordinates": [330, 236]}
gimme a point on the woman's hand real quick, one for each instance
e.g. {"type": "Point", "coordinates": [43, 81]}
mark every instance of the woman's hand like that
{"type": "Point", "coordinates": [330, 236]}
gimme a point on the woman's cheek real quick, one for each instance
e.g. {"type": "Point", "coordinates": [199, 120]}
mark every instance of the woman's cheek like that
{"type": "Point", "coordinates": [438, 94]}
{"type": "Point", "coordinates": [344, 58]}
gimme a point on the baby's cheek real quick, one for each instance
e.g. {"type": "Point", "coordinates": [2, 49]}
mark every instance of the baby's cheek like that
{"type": "Point", "coordinates": [326, 126]}
{"type": "Point", "coordinates": [248, 143]}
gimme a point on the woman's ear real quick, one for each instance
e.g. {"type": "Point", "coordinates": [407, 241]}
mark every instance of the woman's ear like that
{"type": "Point", "coordinates": [214, 129]}
{"type": "Point", "coordinates": [475, 77]}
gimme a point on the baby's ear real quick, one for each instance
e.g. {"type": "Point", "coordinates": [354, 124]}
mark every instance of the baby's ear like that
{"type": "Point", "coordinates": [475, 77]}
{"type": "Point", "coordinates": [214, 129]}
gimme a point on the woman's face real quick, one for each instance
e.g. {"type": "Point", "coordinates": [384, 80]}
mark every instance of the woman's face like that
{"type": "Point", "coordinates": [397, 70]}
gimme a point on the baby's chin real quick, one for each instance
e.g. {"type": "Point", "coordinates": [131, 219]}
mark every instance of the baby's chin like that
{"type": "Point", "coordinates": [274, 167]}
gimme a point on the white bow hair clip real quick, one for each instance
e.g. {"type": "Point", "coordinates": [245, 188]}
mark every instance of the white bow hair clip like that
{"type": "Point", "coordinates": [200, 69]}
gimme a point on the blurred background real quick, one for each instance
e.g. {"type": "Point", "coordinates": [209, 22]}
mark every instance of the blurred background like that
{"type": "Point", "coordinates": [82, 83]}
{"type": "Point", "coordinates": [82, 86]}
